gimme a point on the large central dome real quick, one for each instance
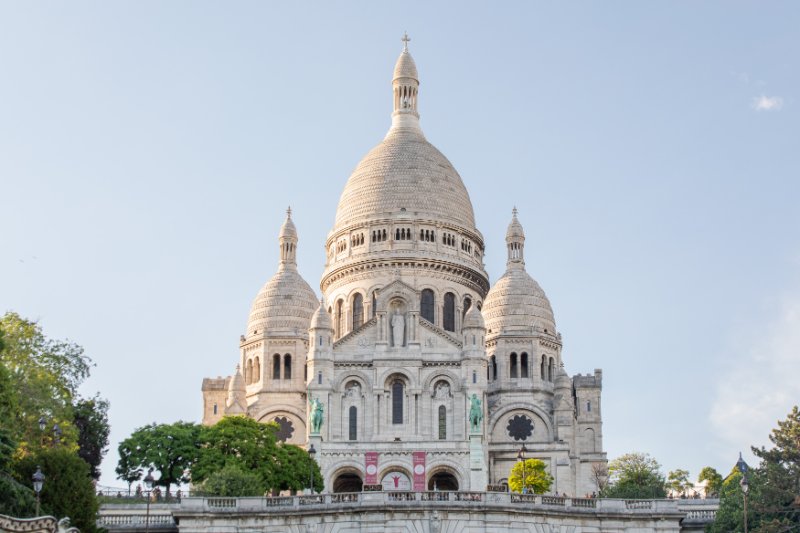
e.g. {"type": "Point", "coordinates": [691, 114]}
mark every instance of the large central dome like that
{"type": "Point", "coordinates": [405, 173]}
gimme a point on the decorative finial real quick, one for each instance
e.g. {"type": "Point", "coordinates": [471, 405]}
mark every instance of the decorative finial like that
{"type": "Point", "coordinates": [405, 40]}
{"type": "Point", "coordinates": [289, 212]}
{"type": "Point", "coordinates": [514, 211]}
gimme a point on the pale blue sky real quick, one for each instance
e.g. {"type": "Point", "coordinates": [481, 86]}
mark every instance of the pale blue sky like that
{"type": "Point", "coordinates": [148, 152]}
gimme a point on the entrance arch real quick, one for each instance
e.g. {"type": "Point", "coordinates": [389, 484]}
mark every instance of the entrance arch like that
{"type": "Point", "coordinates": [348, 482]}
{"type": "Point", "coordinates": [443, 480]}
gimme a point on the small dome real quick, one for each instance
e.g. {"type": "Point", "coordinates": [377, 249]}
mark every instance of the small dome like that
{"type": "Point", "coordinates": [237, 381]}
{"type": "Point", "coordinates": [321, 318]}
{"type": "Point", "coordinates": [517, 303]}
{"type": "Point", "coordinates": [288, 230]}
{"type": "Point", "coordinates": [283, 305]}
{"type": "Point", "coordinates": [405, 67]}
{"type": "Point", "coordinates": [473, 319]}
{"type": "Point", "coordinates": [514, 228]}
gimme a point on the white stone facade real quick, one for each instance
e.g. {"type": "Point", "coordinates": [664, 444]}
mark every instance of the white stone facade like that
{"type": "Point", "coordinates": [408, 330]}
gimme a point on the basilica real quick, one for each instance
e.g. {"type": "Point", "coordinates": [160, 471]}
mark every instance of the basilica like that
{"type": "Point", "coordinates": [413, 372]}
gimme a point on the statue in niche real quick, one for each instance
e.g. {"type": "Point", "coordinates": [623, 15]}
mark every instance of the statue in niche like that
{"type": "Point", "coordinates": [353, 391]}
{"type": "Point", "coordinates": [398, 328]}
{"type": "Point", "coordinates": [442, 391]}
{"type": "Point", "coordinates": [475, 414]}
{"type": "Point", "coordinates": [316, 417]}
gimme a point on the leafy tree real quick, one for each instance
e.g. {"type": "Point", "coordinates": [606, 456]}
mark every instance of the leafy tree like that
{"type": "Point", "coordinates": [91, 419]}
{"type": "Point", "coordinates": [295, 469]}
{"type": "Point", "coordinates": [635, 475]}
{"type": "Point", "coordinates": [242, 442]}
{"type": "Point", "coordinates": [16, 499]}
{"type": "Point", "coordinates": [170, 449]}
{"type": "Point", "coordinates": [45, 374]}
{"type": "Point", "coordinates": [600, 476]}
{"type": "Point", "coordinates": [713, 480]}
{"type": "Point", "coordinates": [232, 481]}
{"type": "Point", "coordinates": [536, 478]}
{"type": "Point", "coordinates": [67, 490]}
{"type": "Point", "coordinates": [678, 481]}
{"type": "Point", "coordinates": [128, 470]}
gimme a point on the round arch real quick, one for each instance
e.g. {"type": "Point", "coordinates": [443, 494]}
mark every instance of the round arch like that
{"type": "Point", "coordinates": [447, 375]}
{"type": "Point", "coordinates": [387, 377]}
{"type": "Point", "coordinates": [445, 475]}
{"type": "Point", "coordinates": [352, 375]}
{"type": "Point", "coordinates": [519, 406]}
{"type": "Point", "coordinates": [347, 479]}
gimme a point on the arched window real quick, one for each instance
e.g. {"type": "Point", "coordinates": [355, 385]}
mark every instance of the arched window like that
{"type": "Point", "coordinates": [353, 422]}
{"type": "Point", "coordinates": [276, 366]}
{"type": "Point", "coordinates": [248, 372]}
{"type": "Point", "coordinates": [467, 305]}
{"type": "Point", "coordinates": [551, 370]}
{"type": "Point", "coordinates": [215, 408]}
{"type": "Point", "coordinates": [523, 365]}
{"type": "Point", "coordinates": [474, 376]}
{"type": "Point", "coordinates": [427, 305]}
{"type": "Point", "coordinates": [588, 406]}
{"type": "Point", "coordinates": [544, 367]}
{"type": "Point", "coordinates": [493, 363]}
{"type": "Point", "coordinates": [397, 234]}
{"type": "Point", "coordinates": [442, 422]}
{"type": "Point", "coordinates": [374, 303]}
{"type": "Point", "coordinates": [397, 402]}
{"type": "Point", "coordinates": [449, 318]}
{"type": "Point", "coordinates": [256, 376]}
{"type": "Point", "coordinates": [513, 365]}
{"type": "Point", "coordinates": [358, 310]}
{"type": "Point", "coordinates": [338, 325]}
{"type": "Point", "coordinates": [287, 366]}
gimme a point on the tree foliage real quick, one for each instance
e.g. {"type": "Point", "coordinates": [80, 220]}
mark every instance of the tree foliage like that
{"type": "Point", "coordinates": [635, 475]}
{"type": "Point", "coordinates": [170, 449]}
{"type": "Point", "coordinates": [773, 499]}
{"type": "Point", "coordinates": [67, 490]}
{"type": "Point", "coordinates": [678, 481]}
{"type": "Point", "coordinates": [90, 417]}
{"type": "Point", "coordinates": [232, 481]}
{"type": "Point", "coordinates": [296, 469]}
{"type": "Point", "coordinates": [713, 480]}
{"type": "Point", "coordinates": [533, 473]}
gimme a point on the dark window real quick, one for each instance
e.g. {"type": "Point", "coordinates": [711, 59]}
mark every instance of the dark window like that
{"type": "Point", "coordinates": [397, 234]}
{"type": "Point", "coordinates": [305, 370]}
{"type": "Point", "coordinates": [358, 310]}
{"type": "Point", "coordinates": [551, 370]}
{"type": "Point", "coordinates": [474, 376]}
{"type": "Point", "coordinates": [588, 406]}
{"type": "Point", "coordinates": [493, 361]}
{"type": "Point", "coordinates": [467, 305]}
{"type": "Point", "coordinates": [397, 402]}
{"type": "Point", "coordinates": [215, 408]}
{"type": "Point", "coordinates": [353, 414]}
{"type": "Point", "coordinates": [427, 305]}
{"type": "Point", "coordinates": [513, 372]}
{"type": "Point", "coordinates": [523, 365]}
{"type": "Point", "coordinates": [338, 324]}
{"type": "Point", "coordinates": [276, 366]}
{"type": "Point", "coordinates": [449, 318]}
{"type": "Point", "coordinates": [287, 366]}
{"type": "Point", "coordinates": [442, 422]}
{"type": "Point", "coordinates": [544, 368]}
{"type": "Point", "coordinates": [319, 378]}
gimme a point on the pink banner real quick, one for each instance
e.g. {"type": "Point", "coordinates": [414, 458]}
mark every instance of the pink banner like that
{"type": "Point", "coordinates": [371, 468]}
{"type": "Point", "coordinates": [418, 460]}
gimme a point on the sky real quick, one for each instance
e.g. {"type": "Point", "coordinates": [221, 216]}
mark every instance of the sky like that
{"type": "Point", "coordinates": [149, 150]}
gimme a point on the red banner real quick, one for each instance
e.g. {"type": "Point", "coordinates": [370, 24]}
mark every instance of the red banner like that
{"type": "Point", "coordinates": [371, 468]}
{"type": "Point", "coordinates": [418, 461]}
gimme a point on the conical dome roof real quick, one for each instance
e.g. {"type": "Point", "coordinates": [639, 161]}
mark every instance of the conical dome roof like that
{"type": "Point", "coordinates": [405, 66]}
{"type": "Point", "coordinates": [473, 319]}
{"type": "Point", "coordinates": [321, 318]}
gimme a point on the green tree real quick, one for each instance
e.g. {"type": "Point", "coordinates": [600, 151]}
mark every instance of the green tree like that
{"type": "Point", "coordinates": [678, 481]}
{"type": "Point", "coordinates": [536, 478]}
{"type": "Point", "coordinates": [16, 499]}
{"type": "Point", "coordinates": [90, 417]}
{"type": "Point", "coordinates": [170, 449]}
{"type": "Point", "coordinates": [713, 480]}
{"type": "Point", "coordinates": [635, 475]}
{"type": "Point", "coordinates": [68, 489]}
{"type": "Point", "coordinates": [232, 481]}
{"type": "Point", "coordinates": [128, 469]}
{"type": "Point", "coordinates": [295, 469]}
{"type": "Point", "coordinates": [45, 374]}
{"type": "Point", "coordinates": [242, 442]}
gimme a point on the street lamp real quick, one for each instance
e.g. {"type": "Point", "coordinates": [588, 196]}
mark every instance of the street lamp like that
{"type": "Point", "coordinates": [521, 457]}
{"type": "Point", "coordinates": [56, 434]}
{"type": "Point", "coordinates": [311, 453]}
{"type": "Point", "coordinates": [743, 468]}
{"type": "Point", "coordinates": [38, 482]}
{"type": "Point", "coordinates": [148, 482]}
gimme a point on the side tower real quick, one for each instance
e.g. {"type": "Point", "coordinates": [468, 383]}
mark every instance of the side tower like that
{"type": "Point", "coordinates": [532, 402]}
{"type": "Point", "coordinates": [272, 351]}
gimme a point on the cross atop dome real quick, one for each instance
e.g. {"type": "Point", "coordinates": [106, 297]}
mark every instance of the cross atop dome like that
{"type": "Point", "coordinates": [405, 40]}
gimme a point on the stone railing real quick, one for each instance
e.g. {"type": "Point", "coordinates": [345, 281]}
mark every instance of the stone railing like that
{"type": "Point", "coordinates": [134, 520]}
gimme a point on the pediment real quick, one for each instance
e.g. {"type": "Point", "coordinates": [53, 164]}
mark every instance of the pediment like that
{"type": "Point", "coordinates": [433, 339]}
{"type": "Point", "coordinates": [362, 339]}
{"type": "Point", "coordinates": [398, 289]}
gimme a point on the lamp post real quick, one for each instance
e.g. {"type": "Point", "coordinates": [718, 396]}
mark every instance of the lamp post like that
{"type": "Point", "coordinates": [148, 482]}
{"type": "Point", "coordinates": [38, 482]}
{"type": "Point", "coordinates": [743, 469]}
{"type": "Point", "coordinates": [56, 435]}
{"type": "Point", "coordinates": [311, 453]}
{"type": "Point", "coordinates": [521, 457]}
